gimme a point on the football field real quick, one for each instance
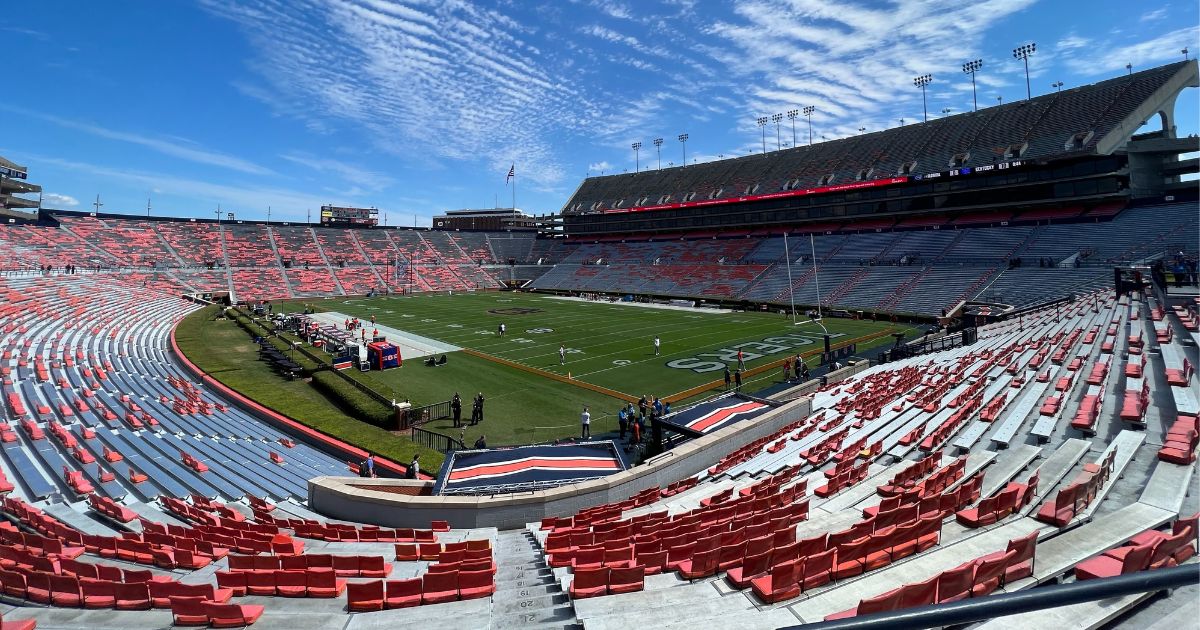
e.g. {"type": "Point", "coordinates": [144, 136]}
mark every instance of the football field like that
{"type": "Point", "coordinates": [609, 352]}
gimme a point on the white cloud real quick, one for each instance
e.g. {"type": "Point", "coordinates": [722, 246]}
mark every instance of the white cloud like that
{"type": "Point", "coordinates": [1165, 47]}
{"type": "Point", "coordinates": [853, 61]}
{"type": "Point", "coordinates": [56, 200]}
{"type": "Point", "coordinates": [181, 147]}
{"type": "Point", "coordinates": [1154, 16]}
{"type": "Point", "coordinates": [612, 9]}
{"type": "Point", "coordinates": [429, 81]}
{"type": "Point", "coordinates": [363, 180]}
{"type": "Point", "coordinates": [602, 165]}
{"type": "Point", "coordinates": [198, 192]}
{"type": "Point", "coordinates": [1071, 42]}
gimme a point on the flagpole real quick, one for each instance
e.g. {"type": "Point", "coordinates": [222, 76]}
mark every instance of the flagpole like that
{"type": "Point", "coordinates": [514, 190]}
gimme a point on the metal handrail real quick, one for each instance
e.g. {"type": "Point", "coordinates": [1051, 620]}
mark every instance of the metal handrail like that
{"type": "Point", "coordinates": [979, 609]}
{"type": "Point", "coordinates": [438, 441]}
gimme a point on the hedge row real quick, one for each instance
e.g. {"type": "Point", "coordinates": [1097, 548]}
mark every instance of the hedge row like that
{"type": "Point", "coordinates": [197, 335]}
{"type": "Point", "coordinates": [353, 401]}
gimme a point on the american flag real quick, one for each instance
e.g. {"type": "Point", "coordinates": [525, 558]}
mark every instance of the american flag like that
{"type": "Point", "coordinates": [512, 172]}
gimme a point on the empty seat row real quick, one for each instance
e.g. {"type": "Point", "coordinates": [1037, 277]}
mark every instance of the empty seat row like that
{"type": "Point", "coordinates": [431, 588]}
{"type": "Point", "coordinates": [318, 582]}
{"type": "Point", "coordinates": [1074, 498]}
{"type": "Point", "coordinates": [975, 578]}
{"type": "Point", "coordinates": [1179, 445]}
{"type": "Point", "coordinates": [1151, 549]}
{"type": "Point", "coordinates": [343, 566]}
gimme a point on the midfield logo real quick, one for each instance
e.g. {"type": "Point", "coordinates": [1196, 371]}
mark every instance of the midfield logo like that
{"type": "Point", "coordinates": [514, 310]}
{"type": "Point", "coordinates": [751, 350]}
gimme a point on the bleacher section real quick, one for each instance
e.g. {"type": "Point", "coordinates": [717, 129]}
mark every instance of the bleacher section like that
{"type": "Point", "coordinates": [931, 479]}
{"type": "Point", "coordinates": [1045, 123]}
{"type": "Point", "coordinates": [890, 537]}
{"type": "Point", "coordinates": [294, 261]}
{"type": "Point", "coordinates": [918, 271]}
{"type": "Point", "coordinates": [94, 376]}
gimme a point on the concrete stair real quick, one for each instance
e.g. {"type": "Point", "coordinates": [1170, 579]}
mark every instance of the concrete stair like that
{"type": "Point", "coordinates": [527, 596]}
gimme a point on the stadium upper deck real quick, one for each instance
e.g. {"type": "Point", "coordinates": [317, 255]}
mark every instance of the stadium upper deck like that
{"type": "Point", "coordinates": [897, 170]}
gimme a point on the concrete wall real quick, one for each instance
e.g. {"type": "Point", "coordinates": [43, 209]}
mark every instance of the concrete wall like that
{"type": "Point", "coordinates": [335, 497]}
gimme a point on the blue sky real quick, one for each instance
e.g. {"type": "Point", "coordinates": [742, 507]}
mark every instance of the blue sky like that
{"type": "Point", "coordinates": [421, 106]}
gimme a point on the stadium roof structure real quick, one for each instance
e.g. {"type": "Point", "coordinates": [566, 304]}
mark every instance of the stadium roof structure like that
{"type": "Point", "coordinates": [12, 182]}
{"type": "Point", "coordinates": [1096, 119]}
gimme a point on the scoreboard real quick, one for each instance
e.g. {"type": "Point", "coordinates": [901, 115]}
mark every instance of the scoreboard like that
{"type": "Point", "coordinates": [336, 215]}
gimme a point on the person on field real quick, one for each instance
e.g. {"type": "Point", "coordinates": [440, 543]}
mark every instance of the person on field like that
{"type": "Point", "coordinates": [657, 345]}
{"type": "Point", "coordinates": [737, 379]}
{"type": "Point", "coordinates": [562, 354]}
{"type": "Point", "coordinates": [643, 405]}
{"type": "Point", "coordinates": [741, 360]}
{"type": "Point", "coordinates": [585, 419]}
{"type": "Point", "coordinates": [728, 377]}
{"type": "Point", "coordinates": [481, 443]}
{"type": "Point", "coordinates": [456, 409]}
{"type": "Point", "coordinates": [622, 423]}
{"type": "Point", "coordinates": [370, 464]}
{"type": "Point", "coordinates": [500, 330]}
{"type": "Point", "coordinates": [787, 370]}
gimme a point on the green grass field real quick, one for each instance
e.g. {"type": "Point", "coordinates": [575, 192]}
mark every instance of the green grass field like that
{"type": "Point", "coordinates": [610, 354]}
{"type": "Point", "coordinates": [226, 352]}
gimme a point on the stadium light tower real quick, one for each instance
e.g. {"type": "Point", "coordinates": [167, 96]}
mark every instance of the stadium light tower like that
{"type": "Point", "coordinates": [1023, 52]}
{"type": "Point", "coordinates": [1057, 85]}
{"type": "Point", "coordinates": [901, 122]}
{"type": "Point", "coordinates": [658, 149]}
{"type": "Point", "coordinates": [862, 130]}
{"type": "Point", "coordinates": [921, 82]}
{"type": "Point", "coordinates": [792, 114]}
{"type": "Point", "coordinates": [637, 162]}
{"type": "Point", "coordinates": [1185, 54]}
{"type": "Point", "coordinates": [762, 124]}
{"type": "Point", "coordinates": [775, 118]}
{"type": "Point", "coordinates": [808, 112]}
{"type": "Point", "coordinates": [683, 137]}
{"type": "Point", "coordinates": [1129, 68]}
{"type": "Point", "coordinates": [971, 67]}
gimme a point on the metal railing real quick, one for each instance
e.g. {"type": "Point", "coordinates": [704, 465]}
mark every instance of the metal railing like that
{"type": "Point", "coordinates": [417, 416]}
{"type": "Point", "coordinates": [993, 606]}
{"type": "Point", "coordinates": [439, 442]}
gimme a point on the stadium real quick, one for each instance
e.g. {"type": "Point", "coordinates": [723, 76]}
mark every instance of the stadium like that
{"type": "Point", "coordinates": [938, 375]}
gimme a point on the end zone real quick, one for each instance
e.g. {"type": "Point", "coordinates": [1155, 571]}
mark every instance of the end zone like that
{"type": "Point", "coordinates": [411, 346]}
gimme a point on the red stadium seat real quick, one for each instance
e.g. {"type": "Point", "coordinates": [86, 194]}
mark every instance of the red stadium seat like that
{"type": "Point", "coordinates": [403, 593]}
{"type": "Point", "coordinates": [364, 596]}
